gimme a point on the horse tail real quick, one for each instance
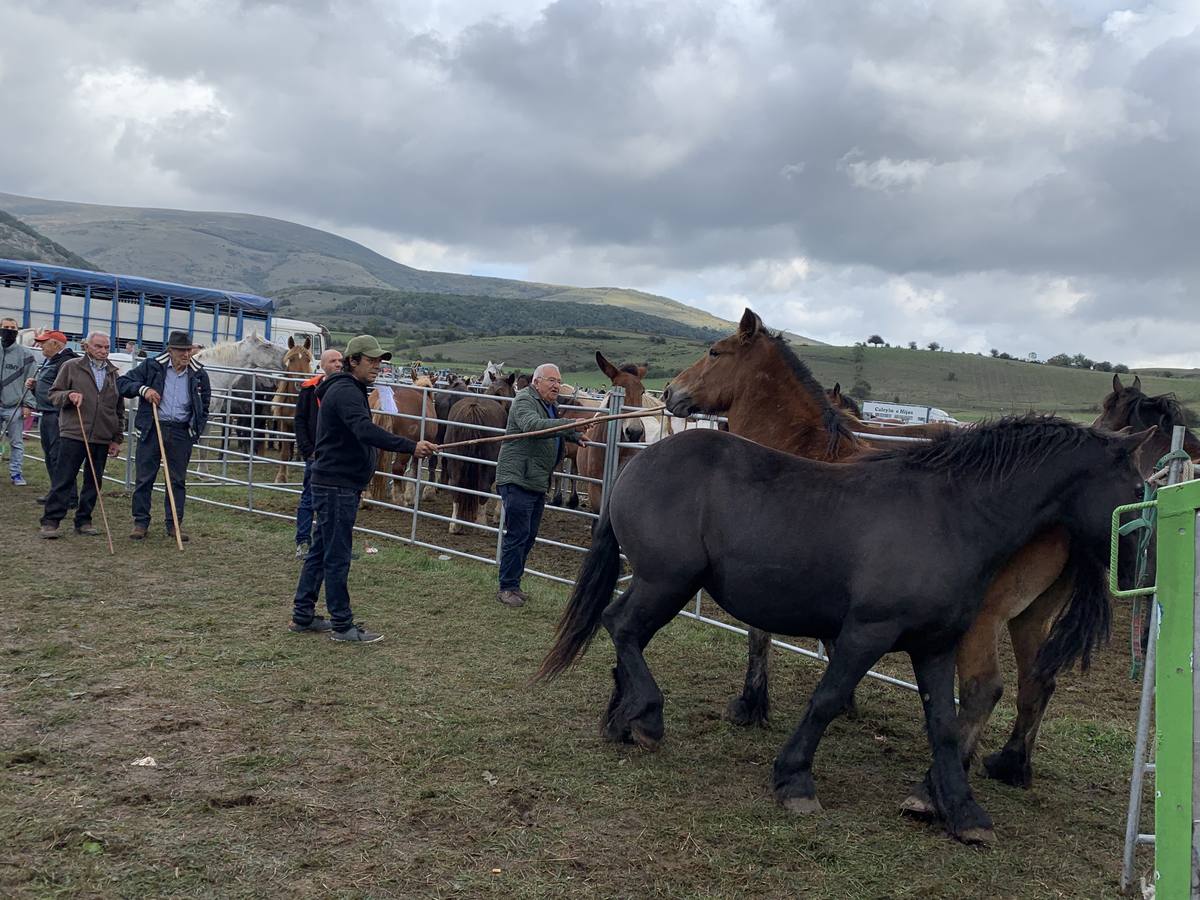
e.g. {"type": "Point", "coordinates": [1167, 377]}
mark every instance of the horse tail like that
{"type": "Point", "coordinates": [593, 592]}
{"type": "Point", "coordinates": [1084, 623]}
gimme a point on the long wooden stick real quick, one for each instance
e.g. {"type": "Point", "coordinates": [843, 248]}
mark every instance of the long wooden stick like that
{"type": "Point", "coordinates": [565, 426]}
{"type": "Point", "coordinates": [87, 449]}
{"type": "Point", "coordinates": [162, 453]}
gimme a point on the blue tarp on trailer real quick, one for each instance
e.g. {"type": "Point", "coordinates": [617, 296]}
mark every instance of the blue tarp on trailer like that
{"type": "Point", "coordinates": [45, 276]}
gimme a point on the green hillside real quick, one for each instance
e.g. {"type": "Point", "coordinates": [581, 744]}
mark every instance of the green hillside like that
{"type": "Point", "coordinates": [981, 386]}
{"type": "Point", "coordinates": [270, 256]}
{"type": "Point", "coordinates": [20, 241]}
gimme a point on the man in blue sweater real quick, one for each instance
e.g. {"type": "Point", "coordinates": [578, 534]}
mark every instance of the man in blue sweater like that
{"type": "Point", "coordinates": [347, 448]}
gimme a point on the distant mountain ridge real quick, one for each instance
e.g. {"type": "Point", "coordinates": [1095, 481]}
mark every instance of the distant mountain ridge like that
{"type": "Point", "coordinates": [18, 240]}
{"type": "Point", "coordinates": [268, 256]}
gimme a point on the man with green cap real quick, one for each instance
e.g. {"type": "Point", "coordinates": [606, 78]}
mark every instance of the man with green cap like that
{"type": "Point", "coordinates": [345, 456]}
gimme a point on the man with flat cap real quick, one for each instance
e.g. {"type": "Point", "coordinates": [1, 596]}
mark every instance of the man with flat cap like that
{"type": "Point", "coordinates": [179, 387]}
{"type": "Point", "coordinates": [345, 458]}
{"type": "Point", "coordinates": [55, 352]}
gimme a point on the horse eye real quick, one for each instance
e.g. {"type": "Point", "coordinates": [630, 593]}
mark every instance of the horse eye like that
{"type": "Point", "coordinates": [713, 352]}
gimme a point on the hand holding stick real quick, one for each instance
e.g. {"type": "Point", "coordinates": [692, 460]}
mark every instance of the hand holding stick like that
{"type": "Point", "coordinates": [162, 453]}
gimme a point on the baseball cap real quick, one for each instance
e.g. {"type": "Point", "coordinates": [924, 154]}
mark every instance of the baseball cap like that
{"type": "Point", "coordinates": [367, 346]}
{"type": "Point", "coordinates": [50, 336]}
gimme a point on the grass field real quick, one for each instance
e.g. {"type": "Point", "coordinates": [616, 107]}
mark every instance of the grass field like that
{"type": "Point", "coordinates": [427, 766]}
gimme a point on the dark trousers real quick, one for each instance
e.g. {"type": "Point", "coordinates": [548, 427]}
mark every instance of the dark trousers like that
{"type": "Point", "coordinates": [522, 518]}
{"type": "Point", "coordinates": [304, 510]}
{"type": "Point", "coordinates": [328, 559]}
{"type": "Point", "coordinates": [71, 455]}
{"type": "Point", "coordinates": [48, 431]}
{"type": "Point", "coordinates": [178, 444]}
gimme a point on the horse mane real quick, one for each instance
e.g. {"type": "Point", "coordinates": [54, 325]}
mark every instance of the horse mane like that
{"type": "Point", "coordinates": [1163, 409]}
{"type": "Point", "coordinates": [629, 369]}
{"type": "Point", "coordinates": [832, 419]}
{"type": "Point", "coordinates": [219, 354]}
{"type": "Point", "coordinates": [993, 450]}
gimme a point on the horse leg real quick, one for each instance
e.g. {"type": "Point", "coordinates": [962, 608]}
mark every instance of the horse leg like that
{"type": "Point", "coordinates": [570, 467]}
{"type": "Point", "coordinates": [557, 498]}
{"type": "Point", "coordinates": [752, 706]}
{"type": "Point", "coordinates": [285, 456]}
{"type": "Point", "coordinates": [980, 686]}
{"type": "Point", "coordinates": [947, 781]}
{"type": "Point", "coordinates": [792, 780]}
{"type": "Point", "coordinates": [1013, 764]}
{"type": "Point", "coordinates": [400, 469]}
{"type": "Point", "coordinates": [634, 713]}
{"type": "Point", "coordinates": [455, 526]}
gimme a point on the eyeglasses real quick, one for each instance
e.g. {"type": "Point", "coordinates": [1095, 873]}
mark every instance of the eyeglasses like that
{"type": "Point", "coordinates": [550, 380]}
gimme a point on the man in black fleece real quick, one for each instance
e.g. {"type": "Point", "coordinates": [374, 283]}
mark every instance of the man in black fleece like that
{"type": "Point", "coordinates": [347, 448]}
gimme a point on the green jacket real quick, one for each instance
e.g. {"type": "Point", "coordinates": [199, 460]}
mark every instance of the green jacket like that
{"type": "Point", "coordinates": [530, 462]}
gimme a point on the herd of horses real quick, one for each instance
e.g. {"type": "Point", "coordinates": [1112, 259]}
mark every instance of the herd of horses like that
{"type": "Point", "coordinates": [933, 549]}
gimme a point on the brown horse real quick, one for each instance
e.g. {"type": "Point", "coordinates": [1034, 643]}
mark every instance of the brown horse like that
{"type": "Point", "coordinates": [399, 410]}
{"type": "Point", "coordinates": [844, 402]}
{"type": "Point", "coordinates": [769, 396]}
{"type": "Point", "coordinates": [442, 401]}
{"type": "Point", "coordinates": [297, 360]}
{"type": "Point", "coordinates": [465, 418]}
{"type": "Point", "coordinates": [1128, 407]}
{"type": "Point", "coordinates": [589, 458]}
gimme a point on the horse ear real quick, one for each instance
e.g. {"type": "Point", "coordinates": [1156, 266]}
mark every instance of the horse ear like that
{"type": "Point", "coordinates": [836, 390]}
{"type": "Point", "coordinates": [1117, 386]}
{"type": "Point", "coordinates": [308, 343]}
{"type": "Point", "coordinates": [1137, 382]}
{"type": "Point", "coordinates": [291, 342]}
{"type": "Point", "coordinates": [606, 367]}
{"type": "Point", "coordinates": [512, 376]}
{"type": "Point", "coordinates": [1131, 443]}
{"type": "Point", "coordinates": [642, 370]}
{"type": "Point", "coordinates": [750, 325]}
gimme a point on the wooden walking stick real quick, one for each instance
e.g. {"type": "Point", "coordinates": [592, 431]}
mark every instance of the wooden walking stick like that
{"type": "Point", "coordinates": [162, 452]}
{"type": "Point", "coordinates": [87, 449]}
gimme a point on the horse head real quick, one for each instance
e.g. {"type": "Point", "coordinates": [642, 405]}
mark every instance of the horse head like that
{"type": "Point", "coordinates": [502, 387]}
{"type": "Point", "coordinates": [629, 377]}
{"type": "Point", "coordinates": [731, 365]}
{"type": "Point", "coordinates": [491, 372]}
{"type": "Point", "coordinates": [1128, 407]}
{"type": "Point", "coordinates": [298, 357]}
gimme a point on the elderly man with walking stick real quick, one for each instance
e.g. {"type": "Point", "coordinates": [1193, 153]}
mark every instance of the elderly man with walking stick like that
{"type": "Point", "coordinates": [175, 394]}
{"type": "Point", "coordinates": [91, 429]}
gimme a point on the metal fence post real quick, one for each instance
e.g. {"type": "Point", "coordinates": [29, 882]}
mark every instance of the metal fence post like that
{"type": "Point", "coordinates": [129, 449]}
{"type": "Point", "coordinates": [612, 452]}
{"type": "Point", "coordinates": [253, 431]}
{"type": "Point", "coordinates": [426, 394]}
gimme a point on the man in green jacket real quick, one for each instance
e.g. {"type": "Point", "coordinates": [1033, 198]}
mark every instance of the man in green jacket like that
{"type": "Point", "coordinates": [523, 474]}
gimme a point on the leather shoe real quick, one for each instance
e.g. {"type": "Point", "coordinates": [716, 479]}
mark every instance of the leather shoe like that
{"type": "Point", "coordinates": [49, 532]}
{"type": "Point", "coordinates": [88, 530]}
{"type": "Point", "coordinates": [183, 536]}
{"type": "Point", "coordinates": [510, 598]}
{"type": "Point", "coordinates": [138, 533]}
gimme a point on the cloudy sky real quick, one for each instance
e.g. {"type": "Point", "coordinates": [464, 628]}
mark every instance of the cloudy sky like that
{"type": "Point", "coordinates": [1013, 174]}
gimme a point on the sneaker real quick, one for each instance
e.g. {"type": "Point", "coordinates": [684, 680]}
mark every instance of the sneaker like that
{"type": "Point", "coordinates": [138, 533]}
{"type": "Point", "coordinates": [88, 530]}
{"type": "Point", "coordinates": [183, 536]}
{"type": "Point", "coordinates": [356, 632]}
{"type": "Point", "coordinates": [510, 598]}
{"type": "Point", "coordinates": [48, 532]}
{"type": "Point", "coordinates": [520, 593]}
{"type": "Point", "coordinates": [18, 481]}
{"type": "Point", "coordinates": [318, 625]}
{"type": "Point", "coordinates": [301, 551]}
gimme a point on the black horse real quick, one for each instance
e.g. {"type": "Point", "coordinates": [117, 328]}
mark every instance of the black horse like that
{"type": "Point", "coordinates": [800, 547]}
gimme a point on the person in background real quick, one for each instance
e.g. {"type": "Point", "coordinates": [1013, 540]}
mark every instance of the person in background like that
{"type": "Point", "coordinates": [523, 474]}
{"type": "Point", "coordinates": [16, 368]}
{"type": "Point", "coordinates": [179, 387]}
{"type": "Point", "coordinates": [346, 455]}
{"type": "Point", "coordinates": [85, 388]}
{"type": "Point", "coordinates": [55, 352]}
{"type": "Point", "coordinates": [306, 444]}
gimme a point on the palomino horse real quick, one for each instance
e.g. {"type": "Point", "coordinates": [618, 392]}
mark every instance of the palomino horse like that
{"type": "Point", "coordinates": [890, 552]}
{"type": "Point", "coordinates": [769, 395]}
{"type": "Point", "coordinates": [298, 363]}
{"type": "Point", "coordinates": [465, 417]}
{"type": "Point", "coordinates": [400, 410]}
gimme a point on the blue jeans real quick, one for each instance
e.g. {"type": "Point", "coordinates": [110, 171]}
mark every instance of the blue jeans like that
{"type": "Point", "coordinates": [328, 559]}
{"type": "Point", "coordinates": [177, 441]}
{"type": "Point", "coordinates": [304, 511]}
{"type": "Point", "coordinates": [13, 427]}
{"type": "Point", "coordinates": [522, 518]}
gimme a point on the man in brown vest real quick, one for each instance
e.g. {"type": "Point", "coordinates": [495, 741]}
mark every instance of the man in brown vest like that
{"type": "Point", "coordinates": [86, 388]}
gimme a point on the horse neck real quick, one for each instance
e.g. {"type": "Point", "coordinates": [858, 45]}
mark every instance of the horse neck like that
{"type": "Point", "coordinates": [778, 411]}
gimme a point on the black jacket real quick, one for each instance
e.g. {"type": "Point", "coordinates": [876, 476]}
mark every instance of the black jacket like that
{"type": "Point", "coordinates": [306, 418]}
{"type": "Point", "coordinates": [346, 437]}
{"type": "Point", "coordinates": [45, 378]}
{"type": "Point", "coordinates": [151, 373]}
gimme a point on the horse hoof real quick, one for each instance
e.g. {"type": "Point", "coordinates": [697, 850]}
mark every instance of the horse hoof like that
{"type": "Point", "coordinates": [977, 837]}
{"type": "Point", "coordinates": [802, 806]}
{"type": "Point", "coordinates": [643, 740]}
{"type": "Point", "coordinates": [741, 713]}
{"type": "Point", "coordinates": [455, 528]}
{"type": "Point", "coordinates": [918, 807]}
{"type": "Point", "coordinates": [1006, 768]}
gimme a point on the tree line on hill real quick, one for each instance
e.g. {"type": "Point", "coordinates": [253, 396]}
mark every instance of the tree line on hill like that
{"type": "Point", "coordinates": [1063, 360]}
{"type": "Point", "coordinates": [391, 313]}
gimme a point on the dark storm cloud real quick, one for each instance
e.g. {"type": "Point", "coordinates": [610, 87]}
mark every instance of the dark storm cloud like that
{"type": "Point", "coordinates": [985, 171]}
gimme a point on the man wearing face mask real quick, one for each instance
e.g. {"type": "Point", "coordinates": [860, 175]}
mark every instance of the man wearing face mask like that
{"type": "Point", "coordinates": [85, 392]}
{"type": "Point", "coordinates": [16, 368]}
{"type": "Point", "coordinates": [55, 352]}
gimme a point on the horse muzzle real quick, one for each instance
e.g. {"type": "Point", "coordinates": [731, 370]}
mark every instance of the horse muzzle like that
{"type": "Point", "coordinates": [678, 401]}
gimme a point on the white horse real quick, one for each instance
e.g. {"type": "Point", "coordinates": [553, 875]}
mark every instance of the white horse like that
{"type": "Point", "coordinates": [491, 373]}
{"type": "Point", "coordinates": [252, 352]}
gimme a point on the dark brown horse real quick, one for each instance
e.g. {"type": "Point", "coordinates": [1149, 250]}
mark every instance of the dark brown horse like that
{"type": "Point", "coordinates": [590, 457]}
{"type": "Point", "coordinates": [844, 402]}
{"type": "Point", "coordinates": [891, 552]}
{"type": "Point", "coordinates": [1126, 407]}
{"type": "Point", "coordinates": [465, 417]}
{"type": "Point", "coordinates": [769, 396]}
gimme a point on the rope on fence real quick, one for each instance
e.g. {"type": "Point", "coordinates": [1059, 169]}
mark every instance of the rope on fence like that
{"type": "Point", "coordinates": [565, 426]}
